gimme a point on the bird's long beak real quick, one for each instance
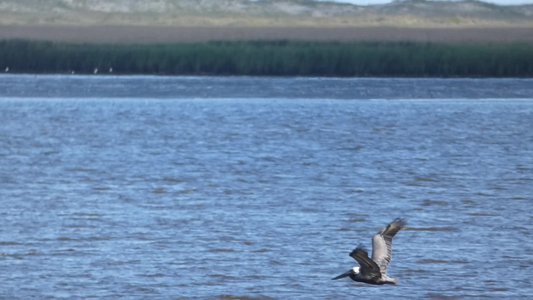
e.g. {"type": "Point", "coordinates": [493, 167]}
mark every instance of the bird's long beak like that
{"type": "Point", "coordinates": [346, 274]}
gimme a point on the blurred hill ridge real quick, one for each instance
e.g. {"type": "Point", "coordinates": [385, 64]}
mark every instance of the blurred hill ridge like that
{"type": "Point", "coordinates": [405, 13]}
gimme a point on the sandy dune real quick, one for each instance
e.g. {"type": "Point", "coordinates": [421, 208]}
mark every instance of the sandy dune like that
{"type": "Point", "coordinates": [160, 34]}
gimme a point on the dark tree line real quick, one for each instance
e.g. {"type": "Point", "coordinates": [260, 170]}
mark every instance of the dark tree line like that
{"type": "Point", "coordinates": [271, 58]}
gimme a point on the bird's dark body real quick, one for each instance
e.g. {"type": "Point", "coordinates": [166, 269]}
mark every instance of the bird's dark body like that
{"type": "Point", "coordinates": [374, 281]}
{"type": "Point", "coordinates": [374, 270]}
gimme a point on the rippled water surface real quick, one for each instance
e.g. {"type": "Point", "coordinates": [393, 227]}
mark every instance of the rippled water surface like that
{"type": "Point", "coordinates": [120, 193]}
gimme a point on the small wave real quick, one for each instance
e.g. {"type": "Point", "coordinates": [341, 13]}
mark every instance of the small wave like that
{"type": "Point", "coordinates": [276, 262]}
{"type": "Point", "coordinates": [159, 191]}
{"type": "Point", "coordinates": [221, 250]}
{"type": "Point", "coordinates": [432, 261]}
{"type": "Point", "coordinates": [185, 192]}
{"type": "Point", "coordinates": [418, 181]}
{"type": "Point", "coordinates": [20, 256]}
{"type": "Point", "coordinates": [417, 272]}
{"type": "Point", "coordinates": [434, 203]}
{"type": "Point", "coordinates": [499, 289]}
{"type": "Point", "coordinates": [436, 296]}
{"type": "Point", "coordinates": [15, 256]}
{"type": "Point", "coordinates": [173, 180]}
{"type": "Point", "coordinates": [9, 243]}
{"type": "Point", "coordinates": [434, 229]}
{"type": "Point", "coordinates": [223, 277]}
{"type": "Point", "coordinates": [82, 170]}
{"type": "Point", "coordinates": [238, 297]}
{"type": "Point", "coordinates": [66, 239]}
{"type": "Point", "coordinates": [481, 214]}
{"type": "Point", "coordinates": [83, 239]}
{"type": "Point", "coordinates": [154, 275]}
{"type": "Point", "coordinates": [262, 250]}
{"type": "Point", "coordinates": [86, 215]}
{"type": "Point", "coordinates": [255, 277]}
{"type": "Point", "coordinates": [440, 261]}
{"type": "Point", "coordinates": [485, 194]}
{"type": "Point", "coordinates": [355, 148]}
{"type": "Point", "coordinates": [357, 220]}
{"type": "Point", "coordinates": [342, 229]}
{"type": "Point", "coordinates": [425, 179]}
{"type": "Point", "coordinates": [520, 198]}
{"type": "Point", "coordinates": [32, 252]}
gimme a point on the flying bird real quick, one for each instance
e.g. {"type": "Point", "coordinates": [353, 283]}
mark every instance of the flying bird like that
{"type": "Point", "coordinates": [374, 270]}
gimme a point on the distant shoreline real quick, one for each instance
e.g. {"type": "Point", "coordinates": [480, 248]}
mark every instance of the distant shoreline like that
{"type": "Point", "coordinates": [272, 58]}
{"type": "Point", "coordinates": [169, 34]}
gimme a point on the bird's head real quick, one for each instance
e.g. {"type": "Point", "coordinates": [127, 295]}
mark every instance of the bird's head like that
{"type": "Point", "coordinates": [350, 273]}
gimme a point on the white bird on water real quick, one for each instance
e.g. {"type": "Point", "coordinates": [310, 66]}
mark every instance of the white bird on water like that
{"type": "Point", "coordinates": [374, 271]}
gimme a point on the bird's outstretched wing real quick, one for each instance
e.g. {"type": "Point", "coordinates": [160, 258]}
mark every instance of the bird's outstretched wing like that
{"type": "Point", "coordinates": [368, 267]}
{"type": "Point", "coordinates": [382, 244]}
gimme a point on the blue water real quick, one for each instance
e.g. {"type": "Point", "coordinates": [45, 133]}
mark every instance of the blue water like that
{"type": "Point", "coordinates": [145, 188]}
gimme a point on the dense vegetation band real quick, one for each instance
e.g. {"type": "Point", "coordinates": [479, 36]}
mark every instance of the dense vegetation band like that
{"type": "Point", "coordinates": [272, 58]}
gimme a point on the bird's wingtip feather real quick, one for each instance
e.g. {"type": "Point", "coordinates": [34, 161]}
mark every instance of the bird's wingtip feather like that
{"type": "Point", "coordinates": [358, 248]}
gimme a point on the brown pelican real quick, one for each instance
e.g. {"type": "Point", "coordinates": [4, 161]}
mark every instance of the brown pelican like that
{"type": "Point", "coordinates": [374, 271]}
